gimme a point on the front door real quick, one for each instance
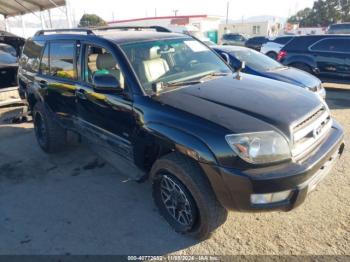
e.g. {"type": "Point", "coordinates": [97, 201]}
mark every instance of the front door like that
{"type": "Point", "coordinates": [106, 119]}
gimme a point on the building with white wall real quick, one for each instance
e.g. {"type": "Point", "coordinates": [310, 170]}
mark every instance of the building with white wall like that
{"type": "Point", "coordinates": [251, 28]}
{"type": "Point", "coordinates": [201, 23]}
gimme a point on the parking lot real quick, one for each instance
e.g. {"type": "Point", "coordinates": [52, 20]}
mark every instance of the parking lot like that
{"type": "Point", "coordinates": [74, 203]}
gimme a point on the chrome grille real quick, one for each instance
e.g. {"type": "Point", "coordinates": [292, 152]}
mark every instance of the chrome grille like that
{"type": "Point", "coordinates": [308, 133]}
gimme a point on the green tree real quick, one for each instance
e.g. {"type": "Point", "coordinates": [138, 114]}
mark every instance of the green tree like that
{"type": "Point", "coordinates": [323, 13]}
{"type": "Point", "coordinates": [91, 20]}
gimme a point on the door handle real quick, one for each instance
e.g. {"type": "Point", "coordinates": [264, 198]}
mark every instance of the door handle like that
{"type": "Point", "coordinates": [81, 93]}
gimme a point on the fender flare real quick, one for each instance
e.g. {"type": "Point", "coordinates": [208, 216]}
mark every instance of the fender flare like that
{"type": "Point", "coordinates": [302, 59]}
{"type": "Point", "coordinates": [175, 139]}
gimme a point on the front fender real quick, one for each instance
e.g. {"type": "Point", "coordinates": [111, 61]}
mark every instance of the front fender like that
{"type": "Point", "coordinates": [178, 140]}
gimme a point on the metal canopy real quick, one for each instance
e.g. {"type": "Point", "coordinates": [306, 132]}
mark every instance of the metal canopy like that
{"type": "Point", "coordinates": [21, 7]}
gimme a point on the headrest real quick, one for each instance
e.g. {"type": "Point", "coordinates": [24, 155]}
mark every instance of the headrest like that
{"type": "Point", "coordinates": [154, 53]}
{"type": "Point", "coordinates": [105, 61]}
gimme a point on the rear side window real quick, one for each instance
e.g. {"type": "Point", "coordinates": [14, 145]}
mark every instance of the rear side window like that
{"type": "Point", "coordinates": [62, 60]}
{"type": "Point", "coordinates": [282, 40]}
{"type": "Point", "coordinates": [340, 45]}
{"type": "Point", "coordinates": [30, 58]}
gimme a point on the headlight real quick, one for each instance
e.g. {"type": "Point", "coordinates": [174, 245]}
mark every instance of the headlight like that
{"type": "Point", "coordinates": [260, 147]}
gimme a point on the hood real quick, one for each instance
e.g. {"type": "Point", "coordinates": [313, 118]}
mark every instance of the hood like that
{"type": "Point", "coordinates": [242, 105]}
{"type": "Point", "coordinates": [294, 76]}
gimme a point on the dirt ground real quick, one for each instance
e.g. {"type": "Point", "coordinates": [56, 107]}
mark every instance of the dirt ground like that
{"type": "Point", "coordinates": [74, 203]}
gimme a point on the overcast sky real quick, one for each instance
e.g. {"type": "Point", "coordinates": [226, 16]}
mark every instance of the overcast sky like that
{"type": "Point", "coordinates": [119, 9]}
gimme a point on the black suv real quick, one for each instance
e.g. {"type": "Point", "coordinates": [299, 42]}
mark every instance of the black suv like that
{"type": "Point", "coordinates": [256, 42]}
{"type": "Point", "coordinates": [326, 56]}
{"type": "Point", "coordinates": [164, 106]}
{"type": "Point", "coordinates": [343, 28]}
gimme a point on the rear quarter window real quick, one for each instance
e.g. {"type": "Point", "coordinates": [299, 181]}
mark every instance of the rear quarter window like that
{"type": "Point", "coordinates": [30, 59]}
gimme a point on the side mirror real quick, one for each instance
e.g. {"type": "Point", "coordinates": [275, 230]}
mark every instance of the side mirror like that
{"type": "Point", "coordinates": [106, 83]}
{"type": "Point", "coordinates": [241, 66]}
{"type": "Point", "coordinates": [226, 57]}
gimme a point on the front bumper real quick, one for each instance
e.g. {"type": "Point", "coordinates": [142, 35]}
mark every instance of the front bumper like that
{"type": "Point", "coordinates": [234, 187]}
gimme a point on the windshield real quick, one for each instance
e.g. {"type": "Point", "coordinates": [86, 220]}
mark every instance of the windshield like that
{"type": "Point", "coordinates": [171, 61]}
{"type": "Point", "coordinates": [256, 60]}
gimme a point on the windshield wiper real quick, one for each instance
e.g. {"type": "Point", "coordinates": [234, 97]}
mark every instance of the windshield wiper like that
{"type": "Point", "coordinates": [212, 75]}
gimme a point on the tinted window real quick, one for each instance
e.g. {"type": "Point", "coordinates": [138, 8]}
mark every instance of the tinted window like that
{"type": "Point", "coordinates": [30, 58]}
{"type": "Point", "coordinates": [7, 54]}
{"type": "Point", "coordinates": [282, 40]}
{"type": "Point", "coordinates": [44, 65]}
{"type": "Point", "coordinates": [332, 45]}
{"type": "Point", "coordinates": [256, 60]}
{"type": "Point", "coordinates": [233, 37]}
{"type": "Point", "coordinates": [62, 60]}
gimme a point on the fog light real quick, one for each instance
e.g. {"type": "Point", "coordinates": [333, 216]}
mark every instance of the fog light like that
{"type": "Point", "coordinates": [270, 197]}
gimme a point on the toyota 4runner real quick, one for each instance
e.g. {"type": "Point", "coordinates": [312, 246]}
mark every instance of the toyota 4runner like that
{"type": "Point", "coordinates": [164, 106]}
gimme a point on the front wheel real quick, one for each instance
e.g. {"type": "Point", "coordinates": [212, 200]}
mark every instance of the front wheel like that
{"type": "Point", "coordinates": [185, 198]}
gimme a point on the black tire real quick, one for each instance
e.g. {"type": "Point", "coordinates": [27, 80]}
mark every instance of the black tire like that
{"type": "Point", "coordinates": [272, 55]}
{"type": "Point", "coordinates": [206, 212]}
{"type": "Point", "coordinates": [303, 67]}
{"type": "Point", "coordinates": [50, 135]}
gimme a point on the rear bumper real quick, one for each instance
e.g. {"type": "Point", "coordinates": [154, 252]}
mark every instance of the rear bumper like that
{"type": "Point", "coordinates": [234, 187]}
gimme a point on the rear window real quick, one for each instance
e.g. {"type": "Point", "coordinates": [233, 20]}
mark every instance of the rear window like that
{"type": "Point", "coordinates": [282, 40]}
{"type": "Point", "coordinates": [30, 58]}
{"type": "Point", "coordinates": [341, 26]}
{"type": "Point", "coordinates": [341, 45]}
{"type": "Point", "coordinates": [233, 37]}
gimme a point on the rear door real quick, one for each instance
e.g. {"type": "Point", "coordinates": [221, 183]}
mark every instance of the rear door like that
{"type": "Point", "coordinates": [57, 79]}
{"type": "Point", "coordinates": [332, 57]}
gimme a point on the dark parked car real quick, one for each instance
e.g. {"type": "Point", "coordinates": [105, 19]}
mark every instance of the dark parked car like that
{"type": "Point", "coordinates": [10, 48]}
{"type": "Point", "coordinates": [164, 106]}
{"type": "Point", "coordinates": [343, 28]}
{"type": "Point", "coordinates": [256, 42]}
{"type": "Point", "coordinates": [326, 56]}
{"type": "Point", "coordinates": [233, 39]}
{"type": "Point", "coordinates": [261, 65]}
{"type": "Point", "coordinates": [8, 66]}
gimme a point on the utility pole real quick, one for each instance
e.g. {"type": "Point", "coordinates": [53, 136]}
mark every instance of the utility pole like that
{"type": "Point", "coordinates": [227, 9]}
{"type": "Point", "coordinates": [175, 12]}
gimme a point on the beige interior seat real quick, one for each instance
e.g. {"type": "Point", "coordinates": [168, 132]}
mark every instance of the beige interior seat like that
{"type": "Point", "coordinates": [155, 66]}
{"type": "Point", "coordinates": [107, 62]}
{"type": "Point", "coordinates": [92, 62]}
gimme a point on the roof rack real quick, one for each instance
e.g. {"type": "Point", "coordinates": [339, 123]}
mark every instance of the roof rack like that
{"type": "Point", "coordinates": [77, 30]}
{"type": "Point", "coordinates": [135, 28]}
{"type": "Point", "coordinates": [90, 31]}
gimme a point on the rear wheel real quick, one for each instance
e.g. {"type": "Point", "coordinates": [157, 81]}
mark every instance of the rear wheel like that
{"type": "Point", "coordinates": [272, 55]}
{"type": "Point", "coordinates": [185, 198]}
{"type": "Point", "coordinates": [50, 135]}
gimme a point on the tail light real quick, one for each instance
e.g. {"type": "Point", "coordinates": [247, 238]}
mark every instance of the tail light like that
{"type": "Point", "coordinates": [281, 55]}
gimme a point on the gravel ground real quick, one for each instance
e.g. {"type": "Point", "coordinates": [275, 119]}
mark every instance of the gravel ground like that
{"type": "Point", "coordinates": [74, 203]}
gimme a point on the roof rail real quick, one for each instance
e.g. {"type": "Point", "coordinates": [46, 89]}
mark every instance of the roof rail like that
{"type": "Point", "coordinates": [136, 28]}
{"type": "Point", "coordinates": [77, 30]}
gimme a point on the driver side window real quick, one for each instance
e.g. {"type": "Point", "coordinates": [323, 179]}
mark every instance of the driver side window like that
{"type": "Point", "coordinates": [99, 60]}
